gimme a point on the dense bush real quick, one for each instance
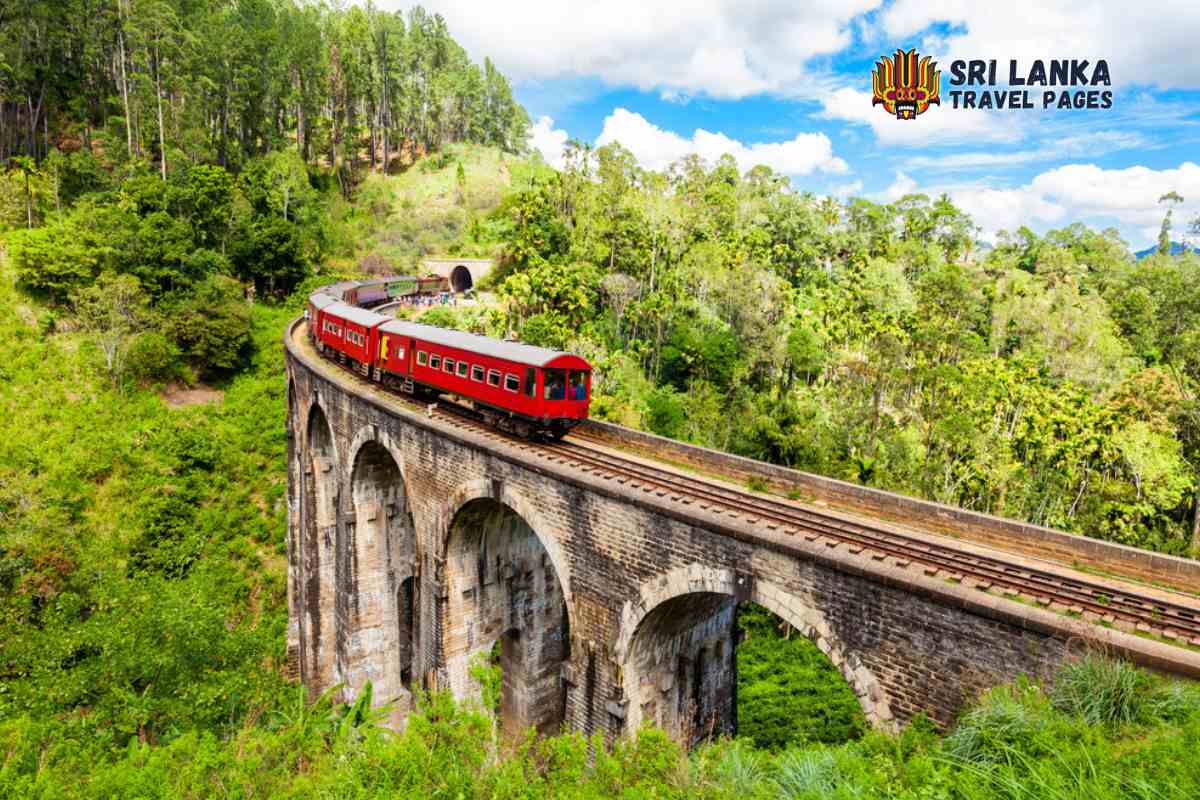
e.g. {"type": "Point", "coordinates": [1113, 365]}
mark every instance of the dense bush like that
{"type": "Point", "coordinates": [788, 692]}
{"type": "Point", "coordinates": [211, 324]}
{"type": "Point", "coordinates": [53, 259]}
{"type": "Point", "coordinates": [154, 358]}
{"type": "Point", "coordinates": [301, 748]}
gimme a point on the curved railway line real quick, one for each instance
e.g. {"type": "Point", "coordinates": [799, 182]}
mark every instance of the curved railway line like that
{"type": "Point", "coordinates": [1121, 606]}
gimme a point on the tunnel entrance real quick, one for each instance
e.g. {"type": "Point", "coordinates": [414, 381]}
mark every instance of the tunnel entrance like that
{"type": "Point", "coordinates": [460, 279]}
{"type": "Point", "coordinates": [701, 666]}
{"type": "Point", "coordinates": [503, 588]}
{"type": "Point", "coordinates": [379, 569]}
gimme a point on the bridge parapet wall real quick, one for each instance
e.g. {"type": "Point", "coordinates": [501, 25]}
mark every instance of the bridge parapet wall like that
{"type": "Point", "coordinates": [1012, 535]}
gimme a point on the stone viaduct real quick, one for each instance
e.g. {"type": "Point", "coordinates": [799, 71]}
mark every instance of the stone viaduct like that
{"type": "Point", "coordinates": [416, 546]}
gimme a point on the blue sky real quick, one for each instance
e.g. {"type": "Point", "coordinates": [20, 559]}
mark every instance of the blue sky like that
{"type": "Point", "coordinates": [788, 84]}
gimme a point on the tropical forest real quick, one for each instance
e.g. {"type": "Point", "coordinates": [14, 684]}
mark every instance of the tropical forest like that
{"type": "Point", "coordinates": [176, 176]}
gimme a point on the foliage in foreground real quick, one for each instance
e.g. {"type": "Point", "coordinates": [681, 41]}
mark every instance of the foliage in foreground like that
{"type": "Point", "coordinates": [1018, 742]}
{"type": "Point", "coordinates": [142, 581]}
{"type": "Point", "coordinates": [788, 691]}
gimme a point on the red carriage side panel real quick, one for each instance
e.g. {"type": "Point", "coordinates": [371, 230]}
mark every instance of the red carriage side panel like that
{"type": "Point", "coordinates": [351, 331]}
{"type": "Point", "coordinates": [496, 382]}
{"type": "Point", "coordinates": [394, 351]}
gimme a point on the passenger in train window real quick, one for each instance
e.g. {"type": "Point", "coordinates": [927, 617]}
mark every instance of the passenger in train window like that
{"type": "Point", "coordinates": [578, 385]}
{"type": "Point", "coordinates": [556, 385]}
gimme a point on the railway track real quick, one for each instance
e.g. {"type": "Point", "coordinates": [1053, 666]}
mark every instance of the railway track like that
{"type": "Point", "coordinates": [1109, 604]}
{"type": "Point", "coordinates": [1095, 602]}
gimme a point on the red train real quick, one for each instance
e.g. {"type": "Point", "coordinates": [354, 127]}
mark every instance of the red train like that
{"type": "Point", "coordinates": [530, 391]}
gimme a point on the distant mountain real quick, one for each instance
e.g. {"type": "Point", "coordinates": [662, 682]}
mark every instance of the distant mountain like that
{"type": "Point", "coordinates": [1176, 249]}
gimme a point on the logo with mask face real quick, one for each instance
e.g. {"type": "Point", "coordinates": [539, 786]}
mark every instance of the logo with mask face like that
{"type": "Point", "coordinates": [906, 84]}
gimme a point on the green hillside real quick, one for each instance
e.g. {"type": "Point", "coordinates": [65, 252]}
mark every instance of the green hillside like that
{"type": "Point", "coordinates": [432, 208]}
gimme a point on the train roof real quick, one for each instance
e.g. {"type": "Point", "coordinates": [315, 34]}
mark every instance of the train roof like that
{"type": "Point", "coordinates": [359, 316]}
{"type": "Point", "coordinates": [483, 345]}
{"type": "Point", "coordinates": [339, 289]}
{"type": "Point", "coordinates": [322, 300]}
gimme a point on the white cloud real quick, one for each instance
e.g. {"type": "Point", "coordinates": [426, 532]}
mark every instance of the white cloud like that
{"type": "Point", "coordinates": [1142, 44]}
{"type": "Point", "coordinates": [995, 210]}
{"type": "Point", "coordinates": [656, 148]}
{"type": "Point", "coordinates": [902, 185]}
{"type": "Point", "coordinates": [549, 141]}
{"type": "Point", "coordinates": [731, 49]}
{"type": "Point", "coordinates": [1092, 144]}
{"type": "Point", "coordinates": [723, 48]}
{"type": "Point", "coordinates": [936, 126]}
{"type": "Point", "coordinates": [1125, 198]}
{"type": "Point", "coordinates": [846, 190]}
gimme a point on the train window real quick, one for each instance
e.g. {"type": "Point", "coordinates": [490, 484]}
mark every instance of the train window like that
{"type": "Point", "coordinates": [577, 389]}
{"type": "Point", "coordinates": [400, 353]}
{"type": "Point", "coordinates": [530, 387]}
{"type": "Point", "coordinates": [477, 373]}
{"type": "Point", "coordinates": [494, 377]}
{"type": "Point", "coordinates": [435, 361]}
{"type": "Point", "coordinates": [462, 369]}
{"type": "Point", "coordinates": [556, 385]}
{"type": "Point", "coordinates": [422, 357]}
{"type": "Point", "coordinates": [511, 382]}
{"type": "Point", "coordinates": [448, 365]}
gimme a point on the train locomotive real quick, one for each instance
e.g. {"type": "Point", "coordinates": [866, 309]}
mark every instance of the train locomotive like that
{"type": "Point", "coordinates": [534, 392]}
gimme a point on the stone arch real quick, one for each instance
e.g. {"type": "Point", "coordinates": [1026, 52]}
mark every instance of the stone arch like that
{"type": "Point", "coordinates": [318, 537]}
{"type": "Point", "coordinates": [372, 434]}
{"type": "Point", "coordinates": [505, 584]}
{"type": "Point", "coordinates": [377, 619]}
{"type": "Point", "coordinates": [484, 488]}
{"type": "Point", "coordinates": [461, 279]}
{"type": "Point", "coordinates": [715, 591]}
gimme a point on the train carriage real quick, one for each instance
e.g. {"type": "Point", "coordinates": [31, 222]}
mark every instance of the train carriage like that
{"type": "Point", "coordinates": [317, 303]}
{"type": "Point", "coordinates": [350, 330]}
{"type": "Point", "coordinates": [516, 386]}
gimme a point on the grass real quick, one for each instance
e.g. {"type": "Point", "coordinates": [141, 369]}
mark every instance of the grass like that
{"type": "Point", "coordinates": [395, 220]}
{"type": "Point", "coordinates": [1102, 691]}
